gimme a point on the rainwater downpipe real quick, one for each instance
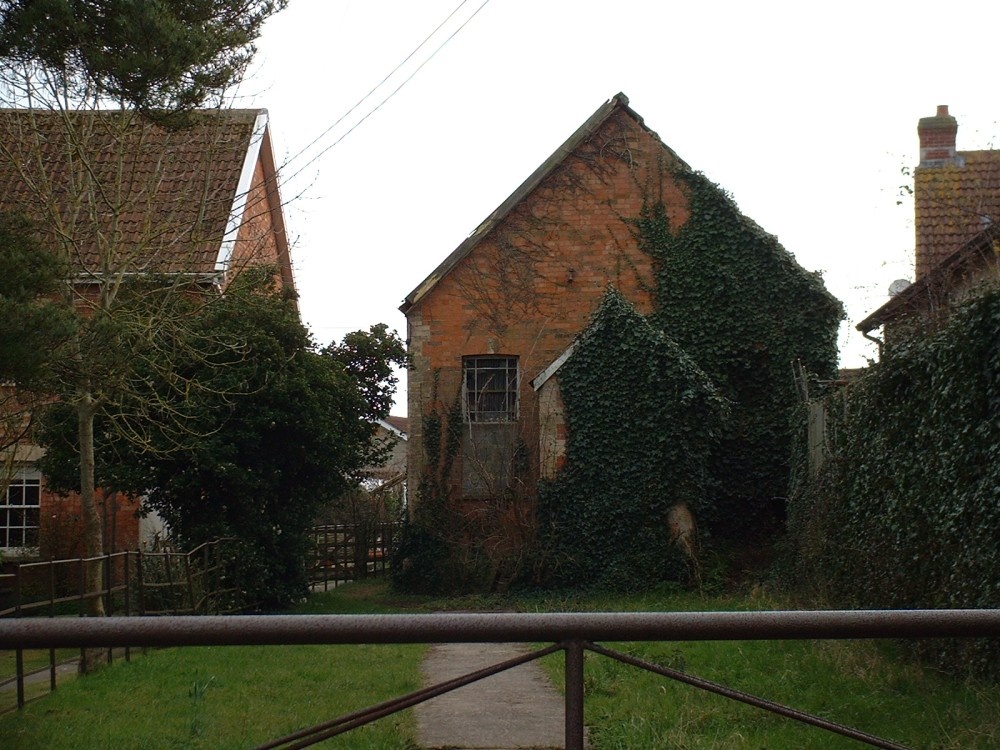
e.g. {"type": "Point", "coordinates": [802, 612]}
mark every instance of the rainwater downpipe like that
{"type": "Point", "coordinates": [876, 339]}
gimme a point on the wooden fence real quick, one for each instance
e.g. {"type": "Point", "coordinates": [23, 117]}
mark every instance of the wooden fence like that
{"type": "Point", "coordinates": [342, 552]}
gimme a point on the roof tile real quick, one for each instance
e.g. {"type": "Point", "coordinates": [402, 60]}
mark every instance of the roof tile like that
{"type": "Point", "coordinates": [122, 193]}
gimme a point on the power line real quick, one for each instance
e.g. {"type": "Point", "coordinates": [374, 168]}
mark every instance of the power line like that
{"type": "Point", "coordinates": [287, 179]}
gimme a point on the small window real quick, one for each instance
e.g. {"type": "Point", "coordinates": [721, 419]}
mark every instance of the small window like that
{"type": "Point", "coordinates": [19, 509]}
{"type": "Point", "coordinates": [490, 389]}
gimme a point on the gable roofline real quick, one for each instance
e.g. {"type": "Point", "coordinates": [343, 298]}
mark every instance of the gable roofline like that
{"type": "Point", "coordinates": [584, 132]}
{"type": "Point", "coordinates": [191, 183]}
{"type": "Point", "coordinates": [543, 377]}
{"type": "Point", "coordinates": [236, 217]}
{"type": "Point", "coordinates": [391, 429]}
{"type": "Point", "coordinates": [982, 246]}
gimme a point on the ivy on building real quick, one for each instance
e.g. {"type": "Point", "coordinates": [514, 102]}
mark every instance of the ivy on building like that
{"type": "Point", "coordinates": [906, 512]}
{"type": "Point", "coordinates": [642, 420]}
{"type": "Point", "coordinates": [694, 405]}
{"type": "Point", "coordinates": [740, 305]}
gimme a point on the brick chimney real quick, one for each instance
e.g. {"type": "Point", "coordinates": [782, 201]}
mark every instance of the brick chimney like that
{"type": "Point", "coordinates": [937, 186]}
{"type": "Point", "coordinates": [937, 138]}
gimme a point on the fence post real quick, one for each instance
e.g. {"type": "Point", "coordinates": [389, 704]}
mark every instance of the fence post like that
{"type": "Point", "coordinates": [325, 556]}
{"type": "Point", "coordinates": [206, 579]}
{"type": "Point", "coordinates": [109, 561]}
{"type": "Point", "coordinates": [170, 581]}
{"type": "Point", "coordinates": [127, 574]}
{"type": "Point", "coordinates": [18, 654]}
{"type": "Point", "coordinates": [82, 606]}
{"type": "Point", "coordinates": [140, 583]}
{"type": "Point", "coordinates": [52, 613]}
{"type": "Point", "coordinates": [574, 695]}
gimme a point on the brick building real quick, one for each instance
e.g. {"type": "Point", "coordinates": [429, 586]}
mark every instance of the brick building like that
{"type": "Point", "coordinates": [512, 297]}
{"type": "Point", "coordinates": [128, 198]}
{"type": "Point", "coordinates": [957, 229]}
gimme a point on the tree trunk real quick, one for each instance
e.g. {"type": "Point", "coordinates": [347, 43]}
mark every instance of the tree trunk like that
{"type": "Point", "coordinates": [93, 529]}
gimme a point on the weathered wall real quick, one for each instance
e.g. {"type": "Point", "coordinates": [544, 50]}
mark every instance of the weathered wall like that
{"type": "Point", "coordinates": [61, 524]}
{"type": "Point", "coordinates": [530, 286]}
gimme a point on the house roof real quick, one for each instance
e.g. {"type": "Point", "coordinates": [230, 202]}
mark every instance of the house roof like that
{"type": "Point", "coordinates": [397, 425]}
{"type": "Point", "coordinates": [582, 134]}
{"type": "Point", "coordinates": [955, 202]}
{"type": "Point", "coordinates": [928, 289]}
{"type": "Point", "coordinates": [173, 200]}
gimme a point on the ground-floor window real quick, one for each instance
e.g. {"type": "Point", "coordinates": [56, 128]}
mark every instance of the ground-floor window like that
{"type": "Point", "coordinates": [490, 388]}
{"type": "Point", "coordinates": [19, 510]}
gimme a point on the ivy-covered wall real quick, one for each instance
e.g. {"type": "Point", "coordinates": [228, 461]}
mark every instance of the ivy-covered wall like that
{"type": "Point", "coordinates": [906, 512]}
{"type": "Point", "coordinates": [717, 301]}
{"type": "Point", "coordinates": [642, 419]}
{"type": "Point", "coordinates": [740, 305]}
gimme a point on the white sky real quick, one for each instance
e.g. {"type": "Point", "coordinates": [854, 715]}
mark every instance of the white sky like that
{"type": "Point", "coordinates": [805, 112]}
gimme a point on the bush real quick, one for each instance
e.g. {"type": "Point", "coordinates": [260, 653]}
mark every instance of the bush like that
{"type": "Point", "coordinates": [907, 512]}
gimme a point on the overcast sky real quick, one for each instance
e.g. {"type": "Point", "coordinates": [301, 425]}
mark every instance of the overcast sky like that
{"type": "Point", "coordinates": [805, 112]}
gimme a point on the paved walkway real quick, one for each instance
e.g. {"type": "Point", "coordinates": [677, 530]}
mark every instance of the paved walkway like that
{"type": "Point", "coordinates": [515, 709]}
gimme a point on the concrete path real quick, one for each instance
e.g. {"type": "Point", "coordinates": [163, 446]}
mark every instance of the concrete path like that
{"type": "Point", "coordinates": [515, 709]}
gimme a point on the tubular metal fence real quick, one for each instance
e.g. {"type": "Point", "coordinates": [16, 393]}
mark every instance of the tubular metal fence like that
{"type": "Point", "coordinates": [573, 633]}
{"type": "Point", "coordinates": [162, 582]}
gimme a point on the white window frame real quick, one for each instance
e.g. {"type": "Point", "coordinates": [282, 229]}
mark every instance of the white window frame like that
{"type": "Point", "coordinates": [22, 481]}
{"type": "Point", "coordinates": [481, 376]}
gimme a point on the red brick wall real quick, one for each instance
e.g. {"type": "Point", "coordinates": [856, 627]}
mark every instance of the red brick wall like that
{"type": "Point", "coordinates": [531, 285]}
{"type": "Point", "coordinates": [61, 524]}
{"type": "Point", "coordinates": [256, 241]}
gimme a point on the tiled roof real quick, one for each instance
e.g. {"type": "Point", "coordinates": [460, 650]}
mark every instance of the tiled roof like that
{"type": "Point", "coordinates": [953, 204]}
{"type": "Point", "coordinates": [109, 182]}
{"type": "Point", "coordinates": [937, 287]}
{"type": "Point", "coordinates": [400, 423]}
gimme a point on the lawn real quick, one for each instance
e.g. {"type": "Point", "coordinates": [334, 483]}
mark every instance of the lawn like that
{"type": "Point", "coordinates": [225, 697]}
{"type": "Point", "coordinates": [238, 697]}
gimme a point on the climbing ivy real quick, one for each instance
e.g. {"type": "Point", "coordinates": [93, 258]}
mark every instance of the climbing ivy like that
{"type": "Point", "coordinates": [906, 513]}
{"type": "Point", "coordinates": [425, 560]}
{"type": "Point", "coordinates": [642, 419]}
{"type": "Point", "coordinates": [693, 405]}
{"type": "Point", "coordinates": [738, 303]}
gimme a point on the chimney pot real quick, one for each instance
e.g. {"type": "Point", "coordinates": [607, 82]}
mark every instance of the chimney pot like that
{"type": "Point", "coordinates": [942, 110]}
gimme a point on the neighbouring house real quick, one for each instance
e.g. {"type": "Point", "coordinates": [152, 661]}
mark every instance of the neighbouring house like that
{"type": "Point", "coordinates": [490, 327]}
{"type": "Point", "coordinates": [957, 230]}
{"type": "Point", "coordinates": [136, 199]}
{"type": "Point", "coordinates": [390, 490]}
{"type": "Point", "coordinates": [392, 431]}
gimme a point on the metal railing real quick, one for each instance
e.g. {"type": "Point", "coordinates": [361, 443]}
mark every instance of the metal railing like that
{"type": "Point", "coordinates": [572, 633]}
{"type": "Point", "coordinates": [134, 582]}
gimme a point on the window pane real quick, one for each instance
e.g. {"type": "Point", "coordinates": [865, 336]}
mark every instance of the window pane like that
{"type": "Point", "coordinates": [490, 389]}
{"type": "Point", "coordinates": [32, 493]}
{"type": "Point", "coordinates": [19, 511]}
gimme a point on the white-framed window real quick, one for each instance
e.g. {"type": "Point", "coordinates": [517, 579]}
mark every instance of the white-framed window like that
{"type": "Point", "coordinates": [490, 388]}
{"type": "Point", "coordinates": [19, 510]}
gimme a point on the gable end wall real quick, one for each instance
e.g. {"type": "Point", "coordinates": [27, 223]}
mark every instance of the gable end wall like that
{"type": "Point", "coordinates": [531, 285]}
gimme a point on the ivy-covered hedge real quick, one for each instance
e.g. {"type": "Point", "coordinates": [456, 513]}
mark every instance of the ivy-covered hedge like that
{"type": "Point", "coordinates": [738, 303]}
{"type": "Point", "coordinates": [642, 418]}
{"type": "Point", "coordinates": [906, 513]}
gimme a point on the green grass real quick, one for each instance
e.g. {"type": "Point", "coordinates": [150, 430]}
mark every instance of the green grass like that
{"type": "Point", "coordinates": [226, 697]}
{"type": "Point", "coordinates": [238, 697]}
{"type": "Point", "coordinates": [862, 684]}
